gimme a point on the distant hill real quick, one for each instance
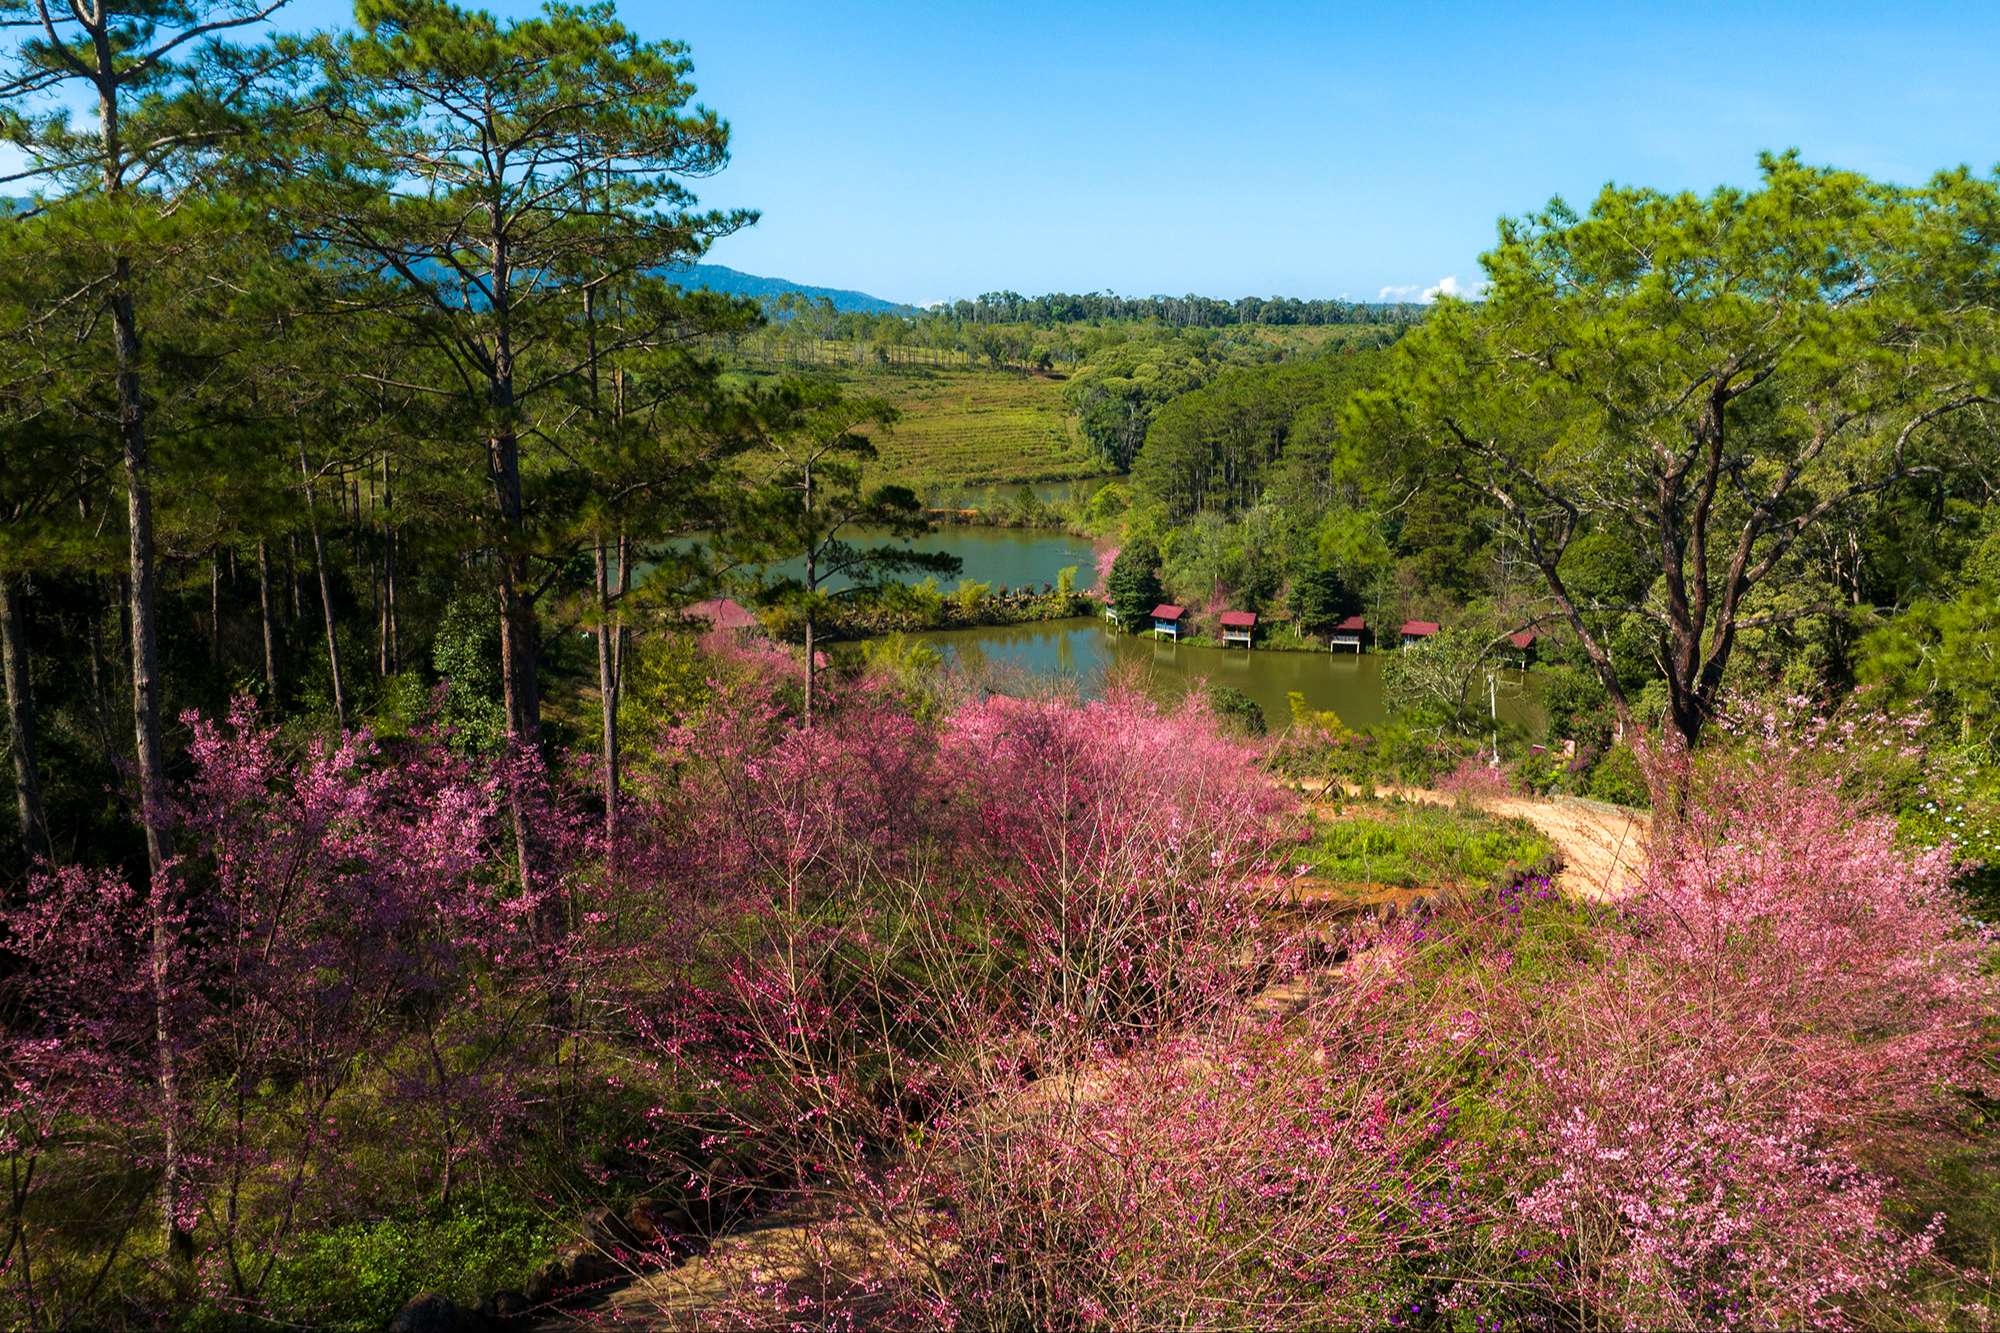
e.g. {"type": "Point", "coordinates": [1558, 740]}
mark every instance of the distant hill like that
{"type": "Point", "coordinates": [705, 277]}
{"type": "Point", "coordinates": [733, 282]}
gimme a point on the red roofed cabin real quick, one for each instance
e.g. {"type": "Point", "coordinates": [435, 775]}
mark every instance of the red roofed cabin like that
{"type": "Point", "coordinates": [1523, 645]}
{"type": "Point", "coordinates": [1347, 634]}
{"type": "Point", "coordinates": [1237, 627]}
{"type": "Point", "coordinates": [1167, 620]}
{"type": "Point", "coordinates": [1416, 631]}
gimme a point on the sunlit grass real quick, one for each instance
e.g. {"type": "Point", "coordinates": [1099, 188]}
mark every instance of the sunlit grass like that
{"type": "Point", "coordinates": [1406, 844]}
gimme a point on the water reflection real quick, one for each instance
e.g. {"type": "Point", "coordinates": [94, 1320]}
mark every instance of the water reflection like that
{"type": "Point", "coordinates": [1010, 556]}
{"type": "Point", "coordinates": [1083, 655]}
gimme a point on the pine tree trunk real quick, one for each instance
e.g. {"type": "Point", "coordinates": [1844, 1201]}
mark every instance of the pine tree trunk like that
{"type": "Point", "coordinates": [100, 689]}
{"type": "Point", "coordinates": [518, 648]}
{"type": "Point", "coordinates": [607, 693]}
{"type": "Point", "coordinates": [518, 683]}
{"type": "Point", "coordinates": [357, 546]}
{"type": "Point", "coordinates": [622, 639]}
{"type": "Point", "coordinates": [143, 576]}
{"type": "Point", "coordinates": [214, 610]}
{"type": "Point", "coordinates": [270, 630]}
{"type": "Point", "coordinates": [21, 719]}
{"type": "Point", "coordinates": [810, 672]}
{"type": "Point", "coordinates": [389, 571]}
{"type": "Point", "coordinates": [325, 596]}
{"type": "Point", "coordinates": [518, 686]}
{"type": "Point", "coordinates": [153, 815]}
{"type": "Point", "coordinates": [812, 591]}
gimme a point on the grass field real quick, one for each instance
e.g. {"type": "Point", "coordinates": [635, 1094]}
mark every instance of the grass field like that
{"type": "Point", "coordinates": [972, 425]}
{"type": "Point", "coordinates": [976, 426]}
{"type": "Point", "coordinates": [1402, 844]}
{"type": "Point", "coordinates": [967, 426]}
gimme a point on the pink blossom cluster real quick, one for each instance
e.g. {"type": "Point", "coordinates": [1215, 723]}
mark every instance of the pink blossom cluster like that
{"type": "Point", "coordinates": [1005, 1014]}
{"type": "Point", "coordinates": [1475, 780]}
{"type": "Point", "coordinates": [1704, 1118]}
{"type": "Point", "coordinates": [1722, 1107]}
{"type": "Point", "coordinates": [338, 947]}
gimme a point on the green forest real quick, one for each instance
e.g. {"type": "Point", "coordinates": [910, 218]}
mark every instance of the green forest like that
{"type": "Point", "coordinates": [494, 832]}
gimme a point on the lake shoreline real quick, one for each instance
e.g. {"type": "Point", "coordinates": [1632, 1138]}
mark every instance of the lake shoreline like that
{"type": "Point", "coordinates": [1085, 654]}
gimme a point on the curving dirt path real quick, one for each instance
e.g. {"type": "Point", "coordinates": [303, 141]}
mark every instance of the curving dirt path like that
{"type": "Point", "coordinates": [1603, 846]}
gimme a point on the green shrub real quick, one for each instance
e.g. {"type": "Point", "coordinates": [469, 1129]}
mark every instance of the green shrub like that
{"type": "Point", "coordinates": [1320, 598]}
{"type": "Point", "coordinates": [1574, 701]}
{"type": "Point", "coordinates": [1417, 756]}
{"type": "Point", "coordinates": [1133, 584]}
{"type": "Point", "coordinates": [466, 654]}
{"type": "Point", "coordinates": [356, 1276]}
{"type": "Point", "coordinates": [922, 602]}
{"type": "Point", "coordinates": [1319, 745]}
{"type": "Point", "coordinates": [1957, 800]}
{"type": "Point", "coordinates": [1537, 773]}
{"type": "Point", "coordinates": [402, 703]}
{"type": "Point", "coordinates": [1283, 636]}
{"type": "Point", "coordinates": [916, 669]}
{"type": "Point", "coordinates": [969, 594]}
{"type": "Point", "coordinates": [1619, 779]}
{"type": "Point", "coordinates": [1237, 709]}
{"type": "Point", "coordinates": [1107, 505]}
{"type": "Point", "coordinates": [1405, 845]}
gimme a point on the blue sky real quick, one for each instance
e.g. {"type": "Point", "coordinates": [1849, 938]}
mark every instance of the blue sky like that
{"type": "Point", "coordinates": [930, 150]}
{"type": "Point", "coordinates": [923, 151]}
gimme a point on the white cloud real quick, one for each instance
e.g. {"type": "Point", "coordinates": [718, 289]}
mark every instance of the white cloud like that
{"type": "Point", "coordinates": [1448, 285]}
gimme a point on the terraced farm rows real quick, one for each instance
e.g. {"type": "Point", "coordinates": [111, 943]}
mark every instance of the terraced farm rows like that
{"type": "Point", "coordinates": [976, 426]}
{"type": "Point", "coordinates": [969, 426]}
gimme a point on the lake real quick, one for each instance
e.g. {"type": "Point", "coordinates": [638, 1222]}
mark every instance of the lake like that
{"type": "Point", "coordinates": [1085, 653]}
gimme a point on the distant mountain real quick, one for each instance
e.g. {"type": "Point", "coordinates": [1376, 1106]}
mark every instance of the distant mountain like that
{"type": "Point", "coordinates": [734, 282]}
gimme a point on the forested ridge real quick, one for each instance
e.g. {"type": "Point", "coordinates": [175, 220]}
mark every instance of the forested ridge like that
{"type": "Point", "coordinates": [454, 880]}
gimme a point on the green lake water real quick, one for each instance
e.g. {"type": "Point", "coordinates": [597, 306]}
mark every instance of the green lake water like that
{"type": "Point", "coordinates": [1085, 654]}
{"type": "Point", "coordinates": [1012, 556]}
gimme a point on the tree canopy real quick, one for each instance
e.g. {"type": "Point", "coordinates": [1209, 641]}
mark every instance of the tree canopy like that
{"type": "Point", "coordinates": [1709, 377]}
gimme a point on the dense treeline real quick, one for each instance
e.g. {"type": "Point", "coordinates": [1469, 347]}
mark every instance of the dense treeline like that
{"type": "Point", "coordinates": [1174, 311]}
{"type": "Point", "coordinates": [975, 336]}
{"type": "Point", "coordinates": [1056, 308]}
